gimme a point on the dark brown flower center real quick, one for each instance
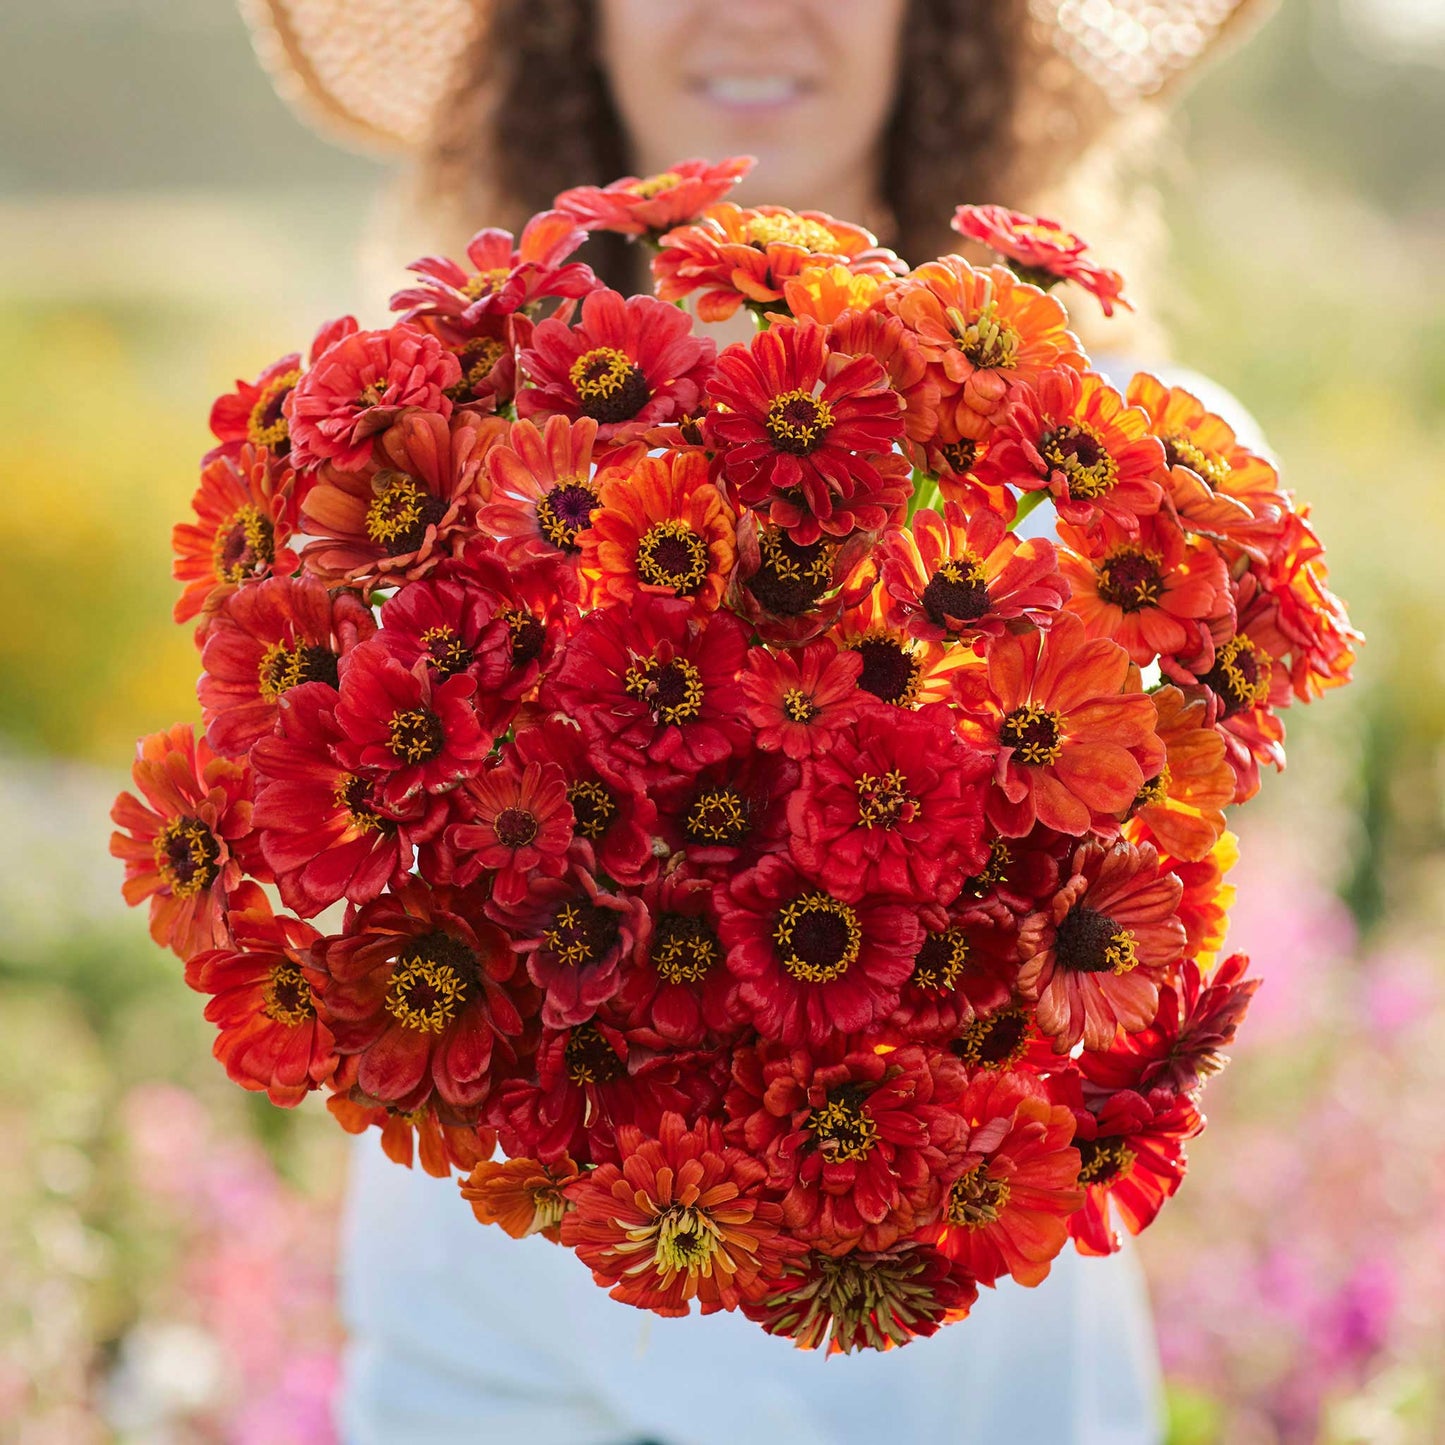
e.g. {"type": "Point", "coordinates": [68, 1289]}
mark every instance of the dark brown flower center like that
{"type": "Point", "coordinates": [583, 933]}
{"type": "Point", "coordinates": [589, 1058]}
{"type": "Point", "coordinates": [285, 996]}
{"type": "Point", "coordinates": [1085, 461]}
{"type": "Point", "coordinates": [527, 635]}
{"type": "Point", "coordinates": [593, 807]}
{"type": "Point", "coordinates": [1131, 578]}
{"type": "Point", "coordinates": [401, 513]}
{"type": "Point", "coordinates": [891, 669]}
{"type": "Point", "coordinates": [719, 817]}
{"type": "Point", "coordinates": [1088, 941]}
{"type": "Point", "coordinates": [431, 981]}
{"type": "Point", "coordinates": [940, 962]}
{"type": "Point", "coordinates": [798, 422]}
{"type": "Point", "coordinates": [684, 948]}
{"type": "Point", "coordinates": [842, 1129]}
{"type": "Point", "coordinates": [1000, 859]}
{"type": "Point", "coordinates": [1103, 1161]}
{"type": "Point", "coordinates": [1240, 676]}
{"type": "Point", "coordinates": [186, 854]}
{"type": "Point", "coordinates": [610, 387]}
{"type": "Point", "coordinates": [1210, 467]}
{"type": "Point", "coordinates": [798, 707]}
{"type": "Point", "coordinates": [818, 938]}
{"type": "Point", "coordinates": [516, 827]}
{"type": "Point", "coordinates": [884, 800]}
{"type": "Point", "coordinates": [975, 1200]}
{"type": "Point", "coordinates": [957, 592]}
{"type": "Point", "coordinates": [446, 651]}
{"type": "Point", "coordinates": [353, 794]}
{"type": "Point", "coordinates": [266, 426]}
{"type": "Point", "coordinates": [790, 579]}
{"type": "Point", "coordinates": [996, 1042]}
{"type": "Point", "coordinates": [284, 666]}
{"type": "Point", "coordinates": [672, 555]}
{"type": "Point", "coordinates": [1033, 733]}
{"type": "Point", "coordinates": [415, 735]}
{"type": "Point", "coordinates": [959, 456]}
{"type": "Point", "coordinates": [478, 359]}
{"type": "Point", "coordinates": [565, 511]}
{"type": "Point", "coordinates": [671, 691]}
{"type": "Point", "coordinates": [245, 547]}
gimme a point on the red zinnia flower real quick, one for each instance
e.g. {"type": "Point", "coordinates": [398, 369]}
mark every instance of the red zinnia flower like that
{"type": "Point", "coordinates": [242, 531]}
{"type": "Point", "coordinates": [403, 730]}
{"type": "Point", "coordinates": [654, 689]}
{"type": "Point", "coordinates": [503, 278]}
{"type": "Point", "coordinates": [1040, 251]}
{"type": "Point", "coordinates": [1008, 1211]}
{"type": "Point", "coordinates": [964, 967]}
{"type": "Point", "coordinates": [983, 333]}
{"type": "Point", "coordinates": [518, 825]}
{"type": "Point", "coordinates": [1154, 593]}
{"type": "Point", "coordinates": [254, 411]}
{"type": "Point", "coordinates": [270, 1037]}
{"type": "Point", "coordinates": [787, 591]}
{"type": "Point", "coordinates": [359, 386]}
{"type": "Point", "coordinates": [1131, 1160]}
{"type": "Point", "coordinates": [612, 821]}
{"type": "Point", "coordinates": [628, 364]}
{"type": "Point", "coordinates": [1091, 961]}
{"type": "Point", "coordinates": [811, 965]}
{"type": "Point", "coordinates": [802, 701]}
{"type": "Point", "coordinates": [870, 1301]}
{"type": "Point", "coordinates": [894, 807]}
{"type": "Point", "coordinates": [736, 255]}
{"type": "Point", "coordinates": [576, 937]}
{"type": "Point", "coordinates": [681, 989]}
{"type": "Point", "coordinates": [324, 829]}
{"type": "Point", "coordinates": [857, 1138]}
{"type": "Point", "coordinates": [586, 1087]}
{"type": "Point", "coordinates": [661, 527]}
{"type": "Point", "coordinates": [807, 433]}
{"type": "Point", "coordinates": [728, 815]}
{"type": "Point", "coordinates": [524, 1196]}
{"type": "Point", "coordinates": [269, 637]}
{"type": "Point", "coordinates": [965, 576]}
{"type": "Point", "coordinates": [416, 986]}
{"type": "Point", "coordinates": [454, 627]}
{"type": "Point", "coordinates": [637, 206]}
{"type": "Point", "coordinates": [393, 520]}
{"type": "Point", "coordinates": [1074, 744]}
{"type": "Point", "coordinates": [904, 671]}
{"type": "Point", "coordinates": [682, 1218]}
{"type": "Point", "coordinates": [1073, 435]}
{"type": "Point", "coordinates": [1021, 873]}
{"type": "Point", "coordinates": [187, 846]}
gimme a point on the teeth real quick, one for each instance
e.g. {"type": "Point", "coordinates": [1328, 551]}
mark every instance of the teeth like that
{"type": "Point", "coordinates": [752, 89]}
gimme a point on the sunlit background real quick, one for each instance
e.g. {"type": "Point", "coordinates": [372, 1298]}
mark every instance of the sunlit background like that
{"type": "Point", "coordinates": [166, 1243]}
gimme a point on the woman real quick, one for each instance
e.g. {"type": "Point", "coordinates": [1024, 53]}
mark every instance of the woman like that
{"type": "Point", "coordinates": [882, 111]}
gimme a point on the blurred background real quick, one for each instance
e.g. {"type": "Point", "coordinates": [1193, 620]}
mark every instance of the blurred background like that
{"type": "Point", "coordinates": [166, 1243]}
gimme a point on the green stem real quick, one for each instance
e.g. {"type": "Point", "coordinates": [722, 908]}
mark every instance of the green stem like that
{"type": "Point", "coordinates": [926, 492]}
{"type": "Point", "coordinates": [1027, 503]}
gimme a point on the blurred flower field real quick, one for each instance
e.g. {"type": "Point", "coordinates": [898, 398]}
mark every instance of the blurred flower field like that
{"type": "Point", "coordinates": [167, 1245]}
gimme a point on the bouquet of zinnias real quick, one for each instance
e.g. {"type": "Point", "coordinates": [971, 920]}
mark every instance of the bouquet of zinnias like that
{"type": "Point", "coordinates": [809, 877]}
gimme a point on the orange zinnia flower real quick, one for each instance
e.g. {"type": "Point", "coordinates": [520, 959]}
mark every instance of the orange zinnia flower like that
{"type": "Point", "coordinates": [682, 1219]}
{"type": "Point", "coordinates": [1093, 958]}
{"type": "Point", "coordinates": [898, 668]}
{"type": "Point", "coordinates": [983, 333]}
{"type": "Point", "coordinates": [1154, 593]}
{"type": "Point", "coordinates": [244, 519]}
{"type": "Point", "coordinates": [1073, 435]}
{"type": "Point", "coordinates": [957, 576]}
{"type": "Point", "coordinates": [1215, 484]}
{"type": "Point", "coordinates": [398, 516]}
{"type": "Point", "coordinates": [662, 527]}
{"type": "Point", "coordinates": [1073, 731]}
{"type": "Point", "coordinates": [524, 1196]}
{"type": "Point", "coordinates": [736, 255]}
{"type": "Point", "coordinates": [1207, 898]}
{"type": "Point", "coordinates": [1183, 805]}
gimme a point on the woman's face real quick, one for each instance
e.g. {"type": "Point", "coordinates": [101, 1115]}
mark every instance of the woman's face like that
{"type": "Point", "coordinates": [805, 85]}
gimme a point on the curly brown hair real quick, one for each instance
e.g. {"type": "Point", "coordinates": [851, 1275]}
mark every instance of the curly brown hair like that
{"type": "Point", "coordinates": [986, 109]}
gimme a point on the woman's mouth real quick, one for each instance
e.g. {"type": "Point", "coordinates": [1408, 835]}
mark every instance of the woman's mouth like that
{"type": "Point", "coordinates": [752, 92]}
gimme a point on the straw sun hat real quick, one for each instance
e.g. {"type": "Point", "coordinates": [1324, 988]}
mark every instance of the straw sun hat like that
{"type": "Point", "coordinates": [374, 73]}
